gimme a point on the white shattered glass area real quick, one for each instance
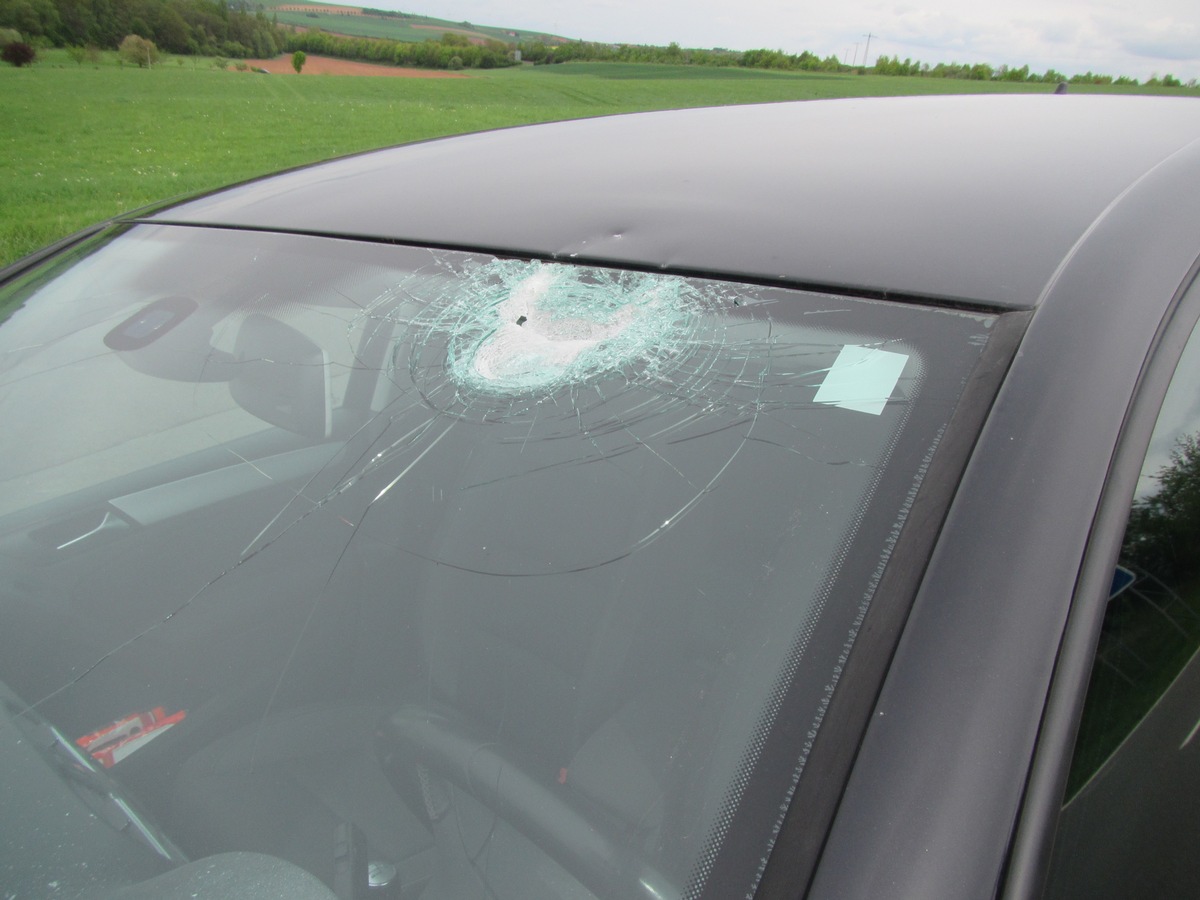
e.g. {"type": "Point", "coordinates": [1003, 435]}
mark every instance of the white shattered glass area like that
{"type": "Point", "coordinates": [521, 327]}
{"type": "Point", "coordinates": [507, 333]}
{"type": "Point", "coordinates": [508, 573]}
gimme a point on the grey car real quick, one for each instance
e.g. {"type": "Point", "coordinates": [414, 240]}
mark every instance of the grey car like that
{"type": "Point", "coordinates": [798, 500]}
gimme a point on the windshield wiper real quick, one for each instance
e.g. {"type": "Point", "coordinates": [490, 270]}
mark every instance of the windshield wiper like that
{"type": "Point", "coordinates": [98, 790]}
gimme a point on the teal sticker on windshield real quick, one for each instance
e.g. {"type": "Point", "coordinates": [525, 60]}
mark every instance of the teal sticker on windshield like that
{"type": "Point", "coordinates": [862, 379]}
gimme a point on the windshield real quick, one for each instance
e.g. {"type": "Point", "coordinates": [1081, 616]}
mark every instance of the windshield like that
{"type": "Point", "coordinates": [444, 574]}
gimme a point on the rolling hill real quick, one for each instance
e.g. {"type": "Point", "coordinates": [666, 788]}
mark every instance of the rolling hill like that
{"type": "Point", "coordinates": [356, 21]}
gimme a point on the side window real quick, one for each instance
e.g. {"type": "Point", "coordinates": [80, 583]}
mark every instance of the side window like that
{"type": "Point", "coordinates": [1130, 826]}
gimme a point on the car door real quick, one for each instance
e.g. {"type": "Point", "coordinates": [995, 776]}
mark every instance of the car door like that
{"type": "Point", "coordinates": [1112, 807]}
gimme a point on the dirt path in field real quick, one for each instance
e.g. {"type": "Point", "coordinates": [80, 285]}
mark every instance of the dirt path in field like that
{"type": "Point", "coordinates": [327, 65]}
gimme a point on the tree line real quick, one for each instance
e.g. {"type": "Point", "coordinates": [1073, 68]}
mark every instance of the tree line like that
{"type": "Point", "coordinates": [234, 29]}
{"type": "Point", "coordinates": [885, 65]}
{"type": "Point", "coordinates": [673, 54]}
{"type": "Point", "coordinates": [806, 61]}
{"type": "Point", "coordinates": [451, 51]}
{"type": "Point", "coordinates": [203, 27]}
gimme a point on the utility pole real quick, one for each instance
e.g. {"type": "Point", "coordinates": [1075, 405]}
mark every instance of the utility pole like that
{"type": "Point", "coordinates": [867, 52]}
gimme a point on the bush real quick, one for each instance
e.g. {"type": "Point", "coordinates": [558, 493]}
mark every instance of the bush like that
{"type": "Point", "coordinates": [298, 60]}
{"type": "Point", "coordinates": [138, 51]}
{"type": "Point", "coordinates": [88, 54]}
{"type": "Point", "coordinates": [9, 36]}
{"type": "Point", "coordinates": [18, 54]}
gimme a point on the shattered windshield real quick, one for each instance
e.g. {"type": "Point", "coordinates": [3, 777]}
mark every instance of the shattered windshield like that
{"type": "Point", "coordinates": [436, 574]}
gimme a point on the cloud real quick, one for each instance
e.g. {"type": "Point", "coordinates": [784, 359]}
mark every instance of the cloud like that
{"type": "Point", "coordinates": [1102, 37]}
{"type": "Point", "coordinates": [1060, 31]}
{"type": "Point", "coordinates": [1163, 40]}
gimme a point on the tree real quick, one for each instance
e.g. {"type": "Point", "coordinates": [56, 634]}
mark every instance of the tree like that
{"type": "Point", "coordinates": [1164, 526]}
{"type": "Point", "coordinates": [299, 58]}
{"type": "Point", "coordinates": [18, 54]}
{"type": "Point", "coordinates": [139, 51]}
{"type": "Point", "coordinates": [89, 54]}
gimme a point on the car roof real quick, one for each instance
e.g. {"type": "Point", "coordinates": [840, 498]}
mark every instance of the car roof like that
{"type": "Point", "coordinates": [975, 199]}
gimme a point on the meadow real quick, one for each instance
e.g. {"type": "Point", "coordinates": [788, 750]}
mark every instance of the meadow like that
{"type": "Point", "coordinates": [386, 28]}
{"type": "Point", "coordinates": [401, 27]}
{"type": "Point", "coordinates": [82, 143]}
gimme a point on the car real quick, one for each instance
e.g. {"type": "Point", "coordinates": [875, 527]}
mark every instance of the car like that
{"type": "Point", "coordinates": [790, 500]}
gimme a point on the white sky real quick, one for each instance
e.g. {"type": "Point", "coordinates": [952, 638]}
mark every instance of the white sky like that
{"type": "Point", "coordinates": [1113, 37]}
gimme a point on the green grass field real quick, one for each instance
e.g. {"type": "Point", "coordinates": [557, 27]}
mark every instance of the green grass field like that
{"type": "Point", "coordinates": [392, 28]}
{"type": "Point", "coordinates": [369, 26]}
{"type": "Point", "coordinates": [83, 143]}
